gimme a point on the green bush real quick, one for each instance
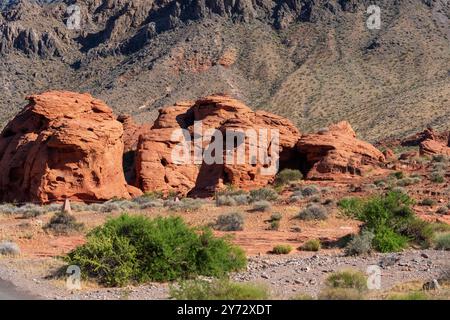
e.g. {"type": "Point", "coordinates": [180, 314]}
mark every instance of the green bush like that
{"type": "Point", "coordinates": [282, 249]}
{"type": "Point", "coordinates": [390, 218]}
{"type": "Point", "coordinates": [287, 175]}
{"type": "Point", "coordinates": [347, 279]}
{"type": "Point", "coordinates": [311, 245]}
{"type": "Point", "coordinates": [263, 194]}
{"type": "Point", "coordinates": [351, 207]}
{"type": "Point", "coordinates": [274, 225]}
{"type": "Point", "coordinates": [360, 244]}
{"type": "Point", "coordinates": [386, 240]}
{"type": "Point", "coordinates": [63, 223]}
{"type": "Point", "coordinates": [443, 241]}
{"type": "Point", "coordinates": [218, 290]}
{"type": "Point", "coordinates": [313, 212]}
{"type": "Point", "coordinates": [230, 222]}
{"type": "Point", "coordinates": [136, 249]}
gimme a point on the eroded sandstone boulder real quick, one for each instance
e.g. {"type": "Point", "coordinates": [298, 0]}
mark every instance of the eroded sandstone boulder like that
{"type": "Point", "coordinates": [63, 145]}
{"type": "Point", "coordinates": [435, 143]}
{"type": "Point", "coordinates": [335, 152]}
{"type": "Point", "coordinates": [156, 168]}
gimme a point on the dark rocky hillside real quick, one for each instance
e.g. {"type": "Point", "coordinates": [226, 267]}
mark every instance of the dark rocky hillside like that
{"type": "Point", "coordinates": [313, 61]}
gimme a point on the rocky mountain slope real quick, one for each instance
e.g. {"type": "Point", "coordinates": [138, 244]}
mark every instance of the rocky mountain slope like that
{"type": "Point", "coordinates": [312, 61]}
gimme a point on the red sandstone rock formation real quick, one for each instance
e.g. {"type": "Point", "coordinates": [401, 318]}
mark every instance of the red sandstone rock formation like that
{"type": "Point", "coordinates": [156, 170]}
{"type": "Point", "coordinates": [131, 133]}
{"type": "Point", "coordinates": [336, 151]}
{"type": "Point", "coordinates": [63, 145]}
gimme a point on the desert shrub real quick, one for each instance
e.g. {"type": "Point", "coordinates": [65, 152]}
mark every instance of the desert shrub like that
{"type": "Point", "coordinates": [313, 212]}
{"type": "Point", "coordinates": [360, 244]}
{"type": "Point", "coordinates": [351, 207]}
{"type": "Point", "coordinates": [380, 183]}
{"type": "Point", "coordinates": [276, 217]}
{"type": "Point", "coordinates": [437, 177]}
{"type": "Point", "coordinates": [53, 207]}
{"type": "Point", "coordinates": [30, 210]}
{"type": "Point", "coordinates": [442, 210]}
{"type": "Point", "coordinates": [95, 207]}
{"type": "Point", "coordinates": [137, 249]}
{"type": "Point", "coordinates": [408, 181]}
{"type": "Point", "coordinates": [274, 225]}
{"type": "Point", "coordinates": [263, 194]}
{"type": "Point", "coordinates": [158, 203]}
{"type": "Point", "coordinates": [296, 196]}
{"type": "Point", "coordinates": [143, 199]}
{"type": "Point", "coordinates": [241, 199]}
{"type": "Point", "coordinates": [225, 201]}
{"type": "Point", "coordinates": [275, 221]}
{"type": "Point", "coordinates": [287, 175]}
{"type": "Point", "coordinates": [325, 190]}
{"type": "Point", "coordinates": [185, 204]}
{"type": "Point", "coordinates": [440, 166]}
{"type": "Point", "coordinates": [8, 208]}
{"type": "Point", "coordinates": [387, 240]}
{"type": "Point", "coordinates": [443, 241]}
{"type": "Point", "coordinates": [231, 190]}
{"type": "Point", "coordinates": [416, 295]}
{"type": "Point", "coordinates": [231, 199]}
{"type": "Point", "coordinates": [230, 222]}
{"type": "Point", "coordinates": [390, 218]}
{"type": "Point", "coordinates": [311, 245]}
{"type": "Point", "coordinates": [427, 202]}
{"type": "Point", "coordinates": [8, 248]}
{"type": "Point", "coordinates": [261, 206]}
{"type": "Point", "coordinates": [439, 158]}
{"type": "Point", "coordinates": [398, 175]}
{"type": "Point", "coordinates": [118, 205]}
{"type": "Point", "coordinates": [218, 290]}
{"type": "Point", "coordinates": [63, 223]}
{"type": "Point", "coordinates": [416, 230]}
{"type": "Point", "coordinates": [398, 189]}
{"type": "Point", "coordinates": [282, 249]}
{"type": "Point", "coordinates": [340, 294]}
{"type": "Point", "coordinates": [347, 279]}
{"type": "Point", "coordinates": [308, 191]}
{"type": "Point", "coordinates": [440, 226]}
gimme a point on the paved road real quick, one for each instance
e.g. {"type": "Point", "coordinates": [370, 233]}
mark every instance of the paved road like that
{"type": "Point", "coordinates": [9, 292]}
